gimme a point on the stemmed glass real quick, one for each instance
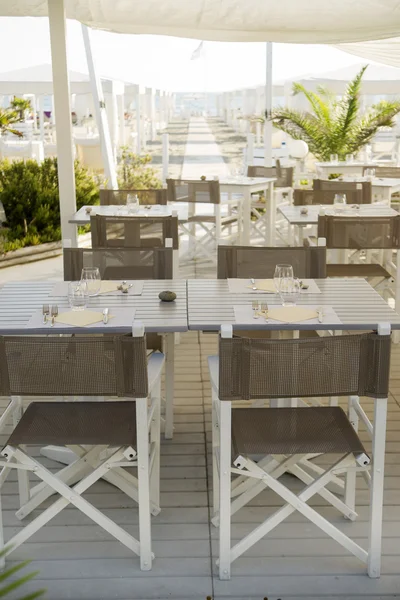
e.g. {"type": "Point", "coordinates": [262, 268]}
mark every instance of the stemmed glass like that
{"type": "Point", "coordinates": [349, 158]}
{"type": "Point", "coordinates": [77, 295]}
{"type": "Point", "coordinates": [91, 276]}
{"type": "Point", "coordinates": [334, 159]}
{"type": "Point", "coordinates": [289, 291]}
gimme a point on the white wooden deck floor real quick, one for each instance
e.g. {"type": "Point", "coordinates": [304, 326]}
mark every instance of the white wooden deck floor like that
{"type": "Point", "coordinates": [78, 560]}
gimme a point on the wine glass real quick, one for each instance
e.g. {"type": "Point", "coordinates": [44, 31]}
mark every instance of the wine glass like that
{"type": "Point", "coordinates": [91, 275]}
{"type": "Point", "coordinates": [289, 290]}
{"type": "Point", "coordinates": [339, 202]}
{"type": "Point", "coordinates": [77, 295]}
{"type": "Point", "coordinates": [132, 203]}
{"type": "Point", "coordinates": [369, 174]}
{"type": "Point", "coordinates": [349, 158]}
{"type": "Point", "coordinates": [334, 159]}
{"type": "Point", "coordinates": [282, 271]}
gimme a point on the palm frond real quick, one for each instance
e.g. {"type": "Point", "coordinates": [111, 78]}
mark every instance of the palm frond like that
{"type": "Point", "coordinates": [301, 126]}
{"type": "Point", "coordinates": [347, 110]}
{"type": "Point", "coordinates": [320, 107]}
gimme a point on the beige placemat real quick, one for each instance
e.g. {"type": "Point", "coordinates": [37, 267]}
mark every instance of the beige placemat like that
{"type": "Point", "coordinates": [109, 286]}
{"type": "Point", "coordinates": [80, 318]}
{"type": "Point", "coordinates": [292, 314]}
{"type": "Point", "coordinates": [244, 286]}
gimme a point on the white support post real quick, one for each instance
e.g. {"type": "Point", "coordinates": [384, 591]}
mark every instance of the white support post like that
{"type": "Point", "coordinates": [250, 149]}
{"type": "Point", "coordinates": [61, 103]}
{"type": "Point", "coordinates": [268, 107]}
{"type": "Point", "coordinates": [138, 123]}
{"type": "Point", "coordinates": [100, 112]}
{"type": "Point", "coordinates": [121, 111]}
{"type": "Point", "coordinates": [165, 156]}
{"type": "Point", "coordinates": [41, 118]}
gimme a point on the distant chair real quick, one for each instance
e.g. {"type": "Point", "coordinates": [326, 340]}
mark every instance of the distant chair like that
{"type": "Point", "coordinates": [119, 263]}
{"type": "Point", "coordinates": [306, 197]}
{"type": "Point", "coordinates": [386, 172]}
{"type": "Point", "coordinates": [213, 225]}
{"type": "Point", "coordinates": [133, 232]}
{"type": "Point", "coordinates": [365, 233]}
{"type": "Point", "coordinates": [284, 175]}
{"type": "Point", "coordinates": [345, 187]}
{"type": "Point", "coordinates": [260, 262]}
{"type": "Point", "coordinates": [146, 197]}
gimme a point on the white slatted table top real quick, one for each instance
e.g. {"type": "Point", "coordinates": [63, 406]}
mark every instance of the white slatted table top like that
{"type": "Point", "coordinates": [356, 303]}
{"type": "Point", "coordinates": [293, 215]}
{"type": "Point", "coordinates": [19, 301]}
{"type": "Point", "coordinates": [81, 217]}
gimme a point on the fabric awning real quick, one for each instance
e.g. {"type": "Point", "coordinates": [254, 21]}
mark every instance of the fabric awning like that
{"type": "Point", "coordinates": [297, 21]}
{"type": "Point", "coordinates": [383, 51]}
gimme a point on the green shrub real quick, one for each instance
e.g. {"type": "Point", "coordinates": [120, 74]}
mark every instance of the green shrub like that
{"type": "Point", "coordinates": [134, 172]}
{"type": "Point", "coordinates": [30, 197]}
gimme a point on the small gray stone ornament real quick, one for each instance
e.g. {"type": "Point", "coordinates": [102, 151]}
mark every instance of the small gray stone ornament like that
{"type": "Point", "coordinates": [167, 296]}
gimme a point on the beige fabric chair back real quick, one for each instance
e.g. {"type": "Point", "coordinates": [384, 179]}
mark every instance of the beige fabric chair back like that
{"type": "Point", "coordinates": [73, 366]}
{"type": "Point", "coordinates": [284, 175]}
{"type": "Point", "coordinates": [146, 197]}
{"type": "Point", "coordinates": [388, 172]}
{"type": "Point", "coordinates": [180, 190]}
{"type": "Point", "coordinates": [119, 263]}
{"type": "Point", "coordinates": [349, 365]}
{"type": "Point", "coordinates": [345, 187]}
{"type": "Point", "coordinates": [302, 197]}
{"type": "Point", "coordinates": [260, 262]}
{"type": "Point", "coordinates": [133, 232]}
{"type": "Point", "coordinates": [360, 232]}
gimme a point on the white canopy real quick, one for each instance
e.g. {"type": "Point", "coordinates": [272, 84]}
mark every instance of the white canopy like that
{"type": "Point", "coordinates": [384, 51]}
{"type": "Point", "coordinates": [297, 21]}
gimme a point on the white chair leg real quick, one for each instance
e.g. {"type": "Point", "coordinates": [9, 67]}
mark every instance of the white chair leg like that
{"type": "Point", "coordinates": [377, 481]}
{"type": "Point", "coordinates": [23, 476]}
{"type": "Point", "coordinates": [225, 490]}
{"type": "Point", "coordinates": [215, 450]}
{"type": "Point", "coordinates": [351, 475]}
{"type": "Point", "coordinates": [144, 485]}
{"type": "Point", "coordinates": [155, 442]}
{"type": "Point", "coordinates": [169, 385]}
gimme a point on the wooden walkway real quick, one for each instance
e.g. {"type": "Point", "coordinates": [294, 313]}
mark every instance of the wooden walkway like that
{"type": "Point", "coordinates": [78, 560]}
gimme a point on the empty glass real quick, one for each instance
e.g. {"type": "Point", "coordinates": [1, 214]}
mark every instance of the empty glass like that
{"type": "Point", "coordinates": [334, 159]}
{"type": "Point", "coordinates": [339, 202]}
{"type": "Point", "coordinates": [91, 275]}
{"type": "Point", "coordinates": [349, 158]}
{"type": "Point", "coordinates": [369, 174]}
{"type": "Point", "coordinates": [132, 203]}
{"type": "Point", "coordinates": [282, 272]}
{"type": "Point", "coordinates": [77, 295]}
{"type": "Point", "coordinates": [289, 290]}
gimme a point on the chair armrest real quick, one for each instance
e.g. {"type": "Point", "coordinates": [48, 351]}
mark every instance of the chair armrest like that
{"type": "Point", "coordinates": [213, 368]}
{"type": "Point", "coordinates": [154, 368]}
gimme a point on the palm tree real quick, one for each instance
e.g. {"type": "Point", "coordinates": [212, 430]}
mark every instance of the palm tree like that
{"type": "Point", "coordinates": [9, 117]}
{"type": "Point", "coordinates": [335, 126]}
{"type": "Point", "coordinates": [21, 105]}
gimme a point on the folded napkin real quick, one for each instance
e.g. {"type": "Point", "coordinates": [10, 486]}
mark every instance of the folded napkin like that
{"type": "Point", "coordinates": [292, 314]}
{"type": "Point", "coordinates": [80, 318]}
{"type": "Point", "coordinates": [243, 286]}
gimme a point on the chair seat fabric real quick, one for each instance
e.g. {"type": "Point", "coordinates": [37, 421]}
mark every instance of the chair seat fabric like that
{"type": "Point", "coordinates": [64, 423]}
{"type": "Point", "coordinates": [262, 431]}
{"type": "Point", "coordinates": [357, 270]}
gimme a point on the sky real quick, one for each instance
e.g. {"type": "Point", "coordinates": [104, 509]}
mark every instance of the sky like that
{"type": "Point", "coordinates": [165, 62]}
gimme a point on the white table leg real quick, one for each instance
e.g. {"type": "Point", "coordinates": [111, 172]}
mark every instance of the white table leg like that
{"type": "Point", "coordinates": [377, 480]}
{"type": "Point", "coordinates": [169, 385]}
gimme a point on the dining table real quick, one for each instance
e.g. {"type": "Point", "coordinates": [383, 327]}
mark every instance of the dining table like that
{"type": "Point", "coordinates": [301, 217]}
{"type": "Point", "coordinates": [244, 187]}
{"type": "Point", "coordinates": [21, 314]}
{"type": "Point", "coordinates": [82, 216]}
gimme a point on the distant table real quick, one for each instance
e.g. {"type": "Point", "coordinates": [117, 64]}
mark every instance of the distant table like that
{"type": "Point", "coordinates": [246, 186]}
{"type": "Point", "coordinates": [357, 168]}
{"type": "Point", "coordinates": [356, 303]}
{"type": "Point", "coordinates": [295, 219]}
{"type": "Point", "coordinates": [81, 217]}
{"type": "Point", "coordinates": [382, 187]}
